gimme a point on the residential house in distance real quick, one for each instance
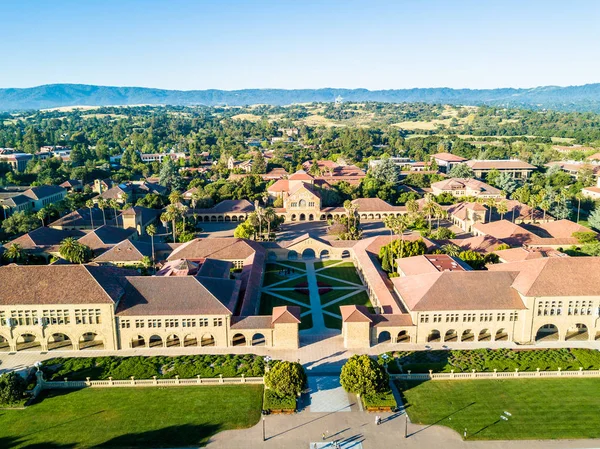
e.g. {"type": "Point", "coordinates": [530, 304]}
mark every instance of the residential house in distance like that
{"type": "Point", "coordinates": [463, 187]}
{"type": "Point", "coordinates": [132, 190]}
{"type": "Point", "coordinates": [72, 185]}
{"type": "Point", "coordinates": [158, 157]}
{"type": "Point", "coordinates": [445, 161]}
{"type": "Point", "coordinates": [516, 168]}
{"type": "Point", "coordinates": [573, 168]}
{"type": "Point", "coordinates": [245, 166]}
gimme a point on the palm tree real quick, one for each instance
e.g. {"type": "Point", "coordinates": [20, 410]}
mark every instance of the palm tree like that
{"type": "Point", "coordinates": [42, 214]}
{"type": "Point", "coordinates": [68, 248]}
{"type": "Point", "coordinates": [430, 208]}
{"type": "Point", "coordinates": [171, 214]}
{"type": "Point", "coordinates": [259, 215]}
{"type": "Point", "coordinates": [90, 206]}
{"type": "Point", "coordinates": [579, 197]}
{"type": "Point", "coordinates": [175, 197]}
{"type": "Point", "coordinates": [502, 208]}
{"type": "Point", "coordinates": [102, 206]}
{"type": "Point", "coordinates": [412, 206]}
{"type": "Point", "coordinates": [14, 253]}
{"type": "Point", "coordinates": [114, 205]}
{"type": "Point", "coordinates": [491, 203]}
{"type": "Point", "coordinates": [270, 216]}
{"type": "Point", "coordinates": [151, 231]}
{"type": "Point", "coordinates": [451, 249]}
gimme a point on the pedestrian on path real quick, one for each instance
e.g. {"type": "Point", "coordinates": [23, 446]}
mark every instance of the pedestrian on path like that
{"type": "Point", "coordinates": [324, 436]}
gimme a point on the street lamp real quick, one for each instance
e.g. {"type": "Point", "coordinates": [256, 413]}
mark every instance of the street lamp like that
{"type": "Point", "coordinates": [267, 360]}
{"type": "Point", "coordinates": [264, 434]}
{"type": "Point", "coordinates": [38, 364]}
{"type": "Point", "coordinates": [385, 358]}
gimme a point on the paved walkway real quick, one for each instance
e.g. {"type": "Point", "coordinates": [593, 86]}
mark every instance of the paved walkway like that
{"type": "Point", "coordinates": [327, 395]}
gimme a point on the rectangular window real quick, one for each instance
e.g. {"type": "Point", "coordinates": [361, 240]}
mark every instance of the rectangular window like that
{"type": "Point", "coordinates": [514, 316]}
{"type": "Point", "coordinates": [139, 324]}
{"type": "Point", "coordinates": [424, 318]}
{"type": "Point", "coordinates": [188, 323]}
{"type": "Point", "coordinates": [125, 324]}
{"type": "Point", "coordinates": [217, 322]}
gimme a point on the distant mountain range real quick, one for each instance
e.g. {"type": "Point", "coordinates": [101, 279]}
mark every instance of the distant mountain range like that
{"type": "Point", "coordinates": [571, 98]}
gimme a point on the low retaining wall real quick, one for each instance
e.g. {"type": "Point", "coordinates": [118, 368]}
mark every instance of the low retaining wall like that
{"type": "Point", "coordinates": [133, 382]}
{"type": "Point", "coordinates": [496, 375]}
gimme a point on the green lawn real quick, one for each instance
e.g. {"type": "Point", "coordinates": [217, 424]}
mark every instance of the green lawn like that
{"type": "Point", "coordinates": [293, 282]}
{"type": "Point", "coordinates": [334, 294]}
{"type": "Point", "coordinates": [325, 263]}
{"type": "Point", "coordinates": [540, 408]}
{"type": "Point", "coordinates": [361, 299]}
{"type": "Point", "coordinates": [267, 302]}
{"type": "Point", "coordinates": [331, 322]}
{"type": "Point", "coordinates": [131, 417]}
{"type": "Point", "coordinates": [345, 271]}
{"type": "Point", "coordinates": [271, 274]}
{"type": "Point", "coordinates": [306, 322]}
{"type": "Point", "coordinates": [333, 282]}
{"type": "Point", "coordinates": [300, 265]}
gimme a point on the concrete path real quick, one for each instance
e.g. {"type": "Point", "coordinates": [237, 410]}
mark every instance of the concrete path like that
{"type": "Point", "coordinates": [315, 300]}
{"type": "Point", "coordinates": [327, 395]}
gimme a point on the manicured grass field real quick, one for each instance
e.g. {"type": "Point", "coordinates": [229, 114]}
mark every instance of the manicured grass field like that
{"type": "Point", "coordinates": [539, 408]}
{"type": "Point", "coordinates": [306, 322]}
{"type": "Point", "coordinates": [267, 302]}
{"type": "Point", "coordinates": [293, 282]}
{"type": "Point", "coordinates": [290, 263]}
{"type": "Point", "coordinates": [345, 271]}
{"type": "Point", "coordinates": [272, 274]}
{"type": "Point", "coordinates": [131, 417]}
{"type": "Point", "coordinates": [332, 322]}
{"type": "Point", "coordinates": [325, 263]}
{"type": "Point", "coordinates": [361, 299]}
{"type": "Point", "coordinates": [334, 294]}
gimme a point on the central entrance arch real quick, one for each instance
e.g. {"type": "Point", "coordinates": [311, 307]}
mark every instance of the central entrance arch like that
{"type": "Point", "coordinates": [308, 253]}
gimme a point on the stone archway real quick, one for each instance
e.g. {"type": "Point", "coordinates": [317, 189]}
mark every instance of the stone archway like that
{"type": "Point", "coordinates": [302, 217]}
{"type": "Point", "coordinates": [155, 341]}
{"type": "Point", "coordinates": [434, 336]}
{"type": "Point", "coordinates": [450, 335]}
{"type": "Point", "coordinates": [259, 340]}
{"type": "Point", "coordinates": [547, 332]}
{"type": "Point", "coordinates": [403, 337]}
{"type": "Point", "coordinates": [207, 340]}
{"type": "Point", "coordinates": [578, 332]}
{"type": "Point", "coordinates": [484, 335]}
{"type": "Point", "coordinates": [345, 254]}
{"type": "Point", "coordinates": [173, 340]}
{"type": "Point", "coordinates": [501, 335]}
{"type": "Point", "coordinates": [91, 340]}
{"type": "Point", "coordinates": [384, 337]}
{"type": "Point", "coordinates": [467, 335]}
{"type": "Point", "coordinates": [59, 341]}
{"type": "Point", "coordinates": [138, 342]}
{"type": "Point", "coordinates": [292, 255]}
{"type": "Point", "coordinates": [4, 344]}
{"type": "Point", "coordinates": [308, 254]}
{"type": "Point", "coordinates": [28, 342]}
{"type": "Point", "coordinates": [190, 340]}
{"type": "Point", "coordinates": [238, 340]}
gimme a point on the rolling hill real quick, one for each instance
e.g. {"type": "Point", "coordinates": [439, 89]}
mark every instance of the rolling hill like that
{"type": "Point", "coordinates": [571, 98]}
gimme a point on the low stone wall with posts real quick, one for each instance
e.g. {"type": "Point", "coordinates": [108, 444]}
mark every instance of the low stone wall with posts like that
{"type": "Point", "coordinates": [154, 382]}
{"type": "Point", "coordinates": [496, 375]}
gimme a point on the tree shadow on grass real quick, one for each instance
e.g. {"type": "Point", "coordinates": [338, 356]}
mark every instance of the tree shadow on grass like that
{"type": "Point", "coordinates": [10, 442]}
{"type": "Point", "coordinates": [173, 436]}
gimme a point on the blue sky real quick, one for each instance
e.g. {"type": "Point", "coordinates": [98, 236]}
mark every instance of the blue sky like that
{"type": "Point", "coordinates": [195, 44]}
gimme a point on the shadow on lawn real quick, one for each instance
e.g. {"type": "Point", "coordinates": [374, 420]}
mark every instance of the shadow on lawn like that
{"type": "Point", "coordinates": [173, 436]}
{"type": "Point", "coordinates": [9, 442]}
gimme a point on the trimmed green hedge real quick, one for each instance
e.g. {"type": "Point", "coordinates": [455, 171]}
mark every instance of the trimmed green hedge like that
{"type": "Point", "coordinates": [274, 401]}
{"type": "Point", "coordinates": [499, 359]}
{"type": "Point", "coordinates": [384, 399]}
{"type": "Point", "coordinates": [163, 367]}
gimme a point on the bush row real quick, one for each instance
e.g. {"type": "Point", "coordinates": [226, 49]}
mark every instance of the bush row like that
{"type": "Point", "coordinates": [276, 401]}
{"type": "Point", "coordinates": [499, 359]}
{"type": "Point", "coordinates": [163, 367]}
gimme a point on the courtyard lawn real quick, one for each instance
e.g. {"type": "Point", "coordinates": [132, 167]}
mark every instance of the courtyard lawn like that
{"type": "Point", "coordinates": [325, 263]}
{"type": "Point", "coordinates": [292, 283]}
{"type": "Point", "coordinates": [291, 263]}
{"type": "Point", "coordinates": [345, 272]}
{"type": "Point", "coordinates": [306, 322]}
{"type": "Point", "coordinates": [272, 274]}
{"type": "Point", "coordinates": [334, 294]}
{"type": "Point", "coordinates": [332, 322]}
{"type": "Point", "coordinates": [131, 417]}
{"type": "Point", "coordinates": [539, 408]}
{"type": "Point", "coordinates": [360, 299]}
{"type": "Point", "coordinates": [267, 302]}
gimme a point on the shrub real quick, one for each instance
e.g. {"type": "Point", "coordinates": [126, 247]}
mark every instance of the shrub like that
{"type": "Point", "coordinates": [286, 378]}
{"type": "Point", "coordinates": [12, 388]}
{"type": "Point", "coordinates": [363, 375]}
{"type": "Point", "coordinates": [275, 401]}
{"type": "Point", "coordinates": [163, 367]}
{"type": "Point", "coordinates": [383, 399]}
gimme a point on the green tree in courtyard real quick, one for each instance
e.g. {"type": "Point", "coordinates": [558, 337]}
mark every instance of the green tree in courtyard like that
{"type": "Point", "coordinates": [362, 375]}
